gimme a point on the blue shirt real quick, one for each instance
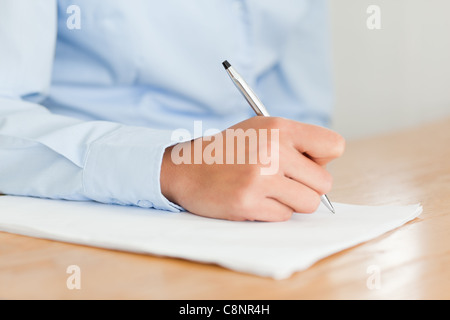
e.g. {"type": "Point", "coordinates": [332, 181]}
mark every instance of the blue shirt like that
{"type": "Point", "coordinates": [89, 97]}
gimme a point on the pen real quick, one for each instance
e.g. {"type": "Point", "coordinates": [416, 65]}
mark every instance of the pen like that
{"type": "Point", "coordinates": [259, 108]}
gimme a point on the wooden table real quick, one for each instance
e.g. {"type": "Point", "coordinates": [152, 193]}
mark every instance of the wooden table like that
{"type": "Point", "coordinates": [411, 262]}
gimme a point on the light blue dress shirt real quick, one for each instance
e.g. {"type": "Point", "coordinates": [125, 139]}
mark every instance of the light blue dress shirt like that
{"type": "Point", "coordinates": [86, 112]}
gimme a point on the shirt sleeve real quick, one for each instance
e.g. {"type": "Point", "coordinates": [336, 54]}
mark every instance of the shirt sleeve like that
{"type": "Point", "coordinates": [58, 157]}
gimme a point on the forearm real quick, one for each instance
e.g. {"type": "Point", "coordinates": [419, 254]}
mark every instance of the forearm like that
{"type": "Point", "coordinates": [47, 155]}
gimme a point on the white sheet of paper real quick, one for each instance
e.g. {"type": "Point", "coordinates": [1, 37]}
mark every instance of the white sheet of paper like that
{"type": "Point", "coordinates": [270, 249]}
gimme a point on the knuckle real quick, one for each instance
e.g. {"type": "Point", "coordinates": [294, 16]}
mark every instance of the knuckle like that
{"type": "Point", "coordinates": [311, 204]}
{"type": "Point", "coordinates": [276, 122]}
{"type": "Point", "coordinates": [286, 215]}
{"type": "Point", "coordinates": [283, 214]}
{"type": "Point", "coordinates": [338, 145]}
{"type": "Point", "coordinates": [278, 215]}
{"type": "Point", "coordinates": [327, 182]}
{"type": "Point", "coordinates": [323, 180]}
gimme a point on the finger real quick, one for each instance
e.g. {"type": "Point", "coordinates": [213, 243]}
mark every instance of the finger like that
{"type": "Point", "coordinates": [295, 195]}
{"type": "Point", "coordinates": [320, 161]}
{"type": "Point", "coordinates": [320, 144]}
{"type": "Point", "coordinates": [304, 170]}
{"type": "Point", "coordinates": [272, 210]}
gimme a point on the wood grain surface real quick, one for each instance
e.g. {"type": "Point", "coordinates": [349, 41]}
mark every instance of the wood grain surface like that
{"type": "Point", "coordinates": [412, 262]}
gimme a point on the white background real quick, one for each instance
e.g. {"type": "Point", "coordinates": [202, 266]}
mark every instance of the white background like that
{"type": "Point", "coordinates": [393, 78]}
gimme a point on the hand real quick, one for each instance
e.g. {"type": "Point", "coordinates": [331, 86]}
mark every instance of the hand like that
{"type": "Point", "coordinates": [292, 181]}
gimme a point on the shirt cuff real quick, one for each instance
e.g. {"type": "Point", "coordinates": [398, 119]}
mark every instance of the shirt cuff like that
{"type": "Point", "coordinates": [124, 168]}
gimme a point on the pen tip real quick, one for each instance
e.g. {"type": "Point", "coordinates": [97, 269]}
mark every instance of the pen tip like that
{"type": "Point", "coordinates": [331, 207]}
{"type": "Point", "coordinates": [226, 64]}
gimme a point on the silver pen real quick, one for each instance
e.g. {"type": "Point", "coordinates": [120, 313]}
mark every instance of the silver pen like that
{"type": "Point", "coordinates": [258, 107]}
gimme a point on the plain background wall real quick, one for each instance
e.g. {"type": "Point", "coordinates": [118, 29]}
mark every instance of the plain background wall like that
{"type": "Point", "coordinates": [395, 77]}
